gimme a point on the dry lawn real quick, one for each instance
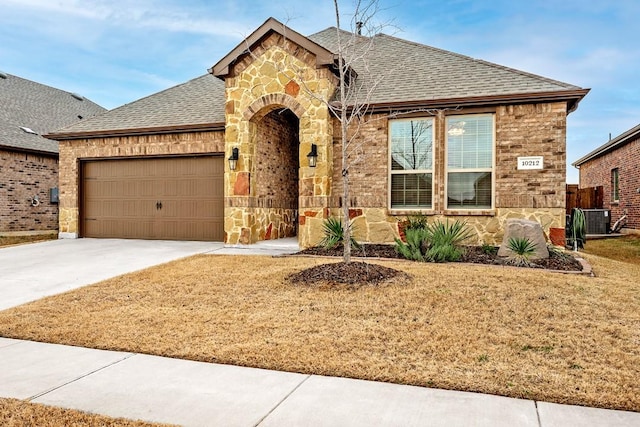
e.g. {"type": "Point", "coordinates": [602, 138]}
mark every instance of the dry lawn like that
{"type": "Point", "coordinates": [501, 330]}
{"type": "Point", "coordinates": [625, 248]}
{"type": "Point", "coordinates": [18, 413]}
{"type": "Point", "coordinates": [18, 240]}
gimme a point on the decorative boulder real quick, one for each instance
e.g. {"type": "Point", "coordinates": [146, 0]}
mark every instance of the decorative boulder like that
{"type": "Point", "coordinates": [522, 228]}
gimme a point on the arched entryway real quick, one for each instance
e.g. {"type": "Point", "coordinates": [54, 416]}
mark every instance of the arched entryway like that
{"type": "Point", "coordinates": [276, 138]}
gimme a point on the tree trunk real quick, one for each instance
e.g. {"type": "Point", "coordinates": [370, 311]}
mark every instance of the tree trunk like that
{"type": "Point", "coordinates": [344, 123]}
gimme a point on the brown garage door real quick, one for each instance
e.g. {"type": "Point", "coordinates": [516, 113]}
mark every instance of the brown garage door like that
{"type": "Point", "coordinates": [178, 198]}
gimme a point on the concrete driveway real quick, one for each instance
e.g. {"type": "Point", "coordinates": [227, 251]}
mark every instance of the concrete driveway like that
{"type": "Point", "coordinates": [30, 272]}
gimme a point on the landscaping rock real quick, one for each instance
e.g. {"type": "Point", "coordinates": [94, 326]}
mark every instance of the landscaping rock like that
{"type": "Point", "coordinates": [522, 228]}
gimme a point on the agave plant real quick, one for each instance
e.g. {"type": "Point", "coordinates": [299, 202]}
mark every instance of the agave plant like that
{"type": "Point", "coordinates": [413, 249]}
{"type": "Point", "coordinates": [334, 234]}
{"type": "Point", "coordinates": [437, 242]}
{"type": "Point", "coordinates": [522, 249]}
{"type": "Point", "coordinates": [455, 234]}
{"type": "Point", "coordinates": [444, 241]}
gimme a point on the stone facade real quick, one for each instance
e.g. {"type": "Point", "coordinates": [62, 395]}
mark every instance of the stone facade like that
{"type": "Point", "coordinates": [26, 176]}
{"type": "Point", "coordinates": [73, 151]}
{"type": "Point", "coordinates": [276, 76]}
{"type": "Point", "coordinates": [597, 171]}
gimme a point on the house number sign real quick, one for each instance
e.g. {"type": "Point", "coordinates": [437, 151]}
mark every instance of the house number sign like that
{"type": "Point", "coordinates": [531, 162]}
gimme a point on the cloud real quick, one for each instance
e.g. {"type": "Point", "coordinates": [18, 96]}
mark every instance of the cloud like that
{"type": "Point", "coordinates": [120, 13]}
{"type": "Point", "coordinates": [64, 7]}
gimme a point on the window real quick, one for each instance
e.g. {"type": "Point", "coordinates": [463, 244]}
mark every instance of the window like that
{"type": "Point", "coordinates": [615, 185]}
{"type": "Point", "coordinates": [469, 175]}
{"type": "Point", "coordinates": [411, 142]}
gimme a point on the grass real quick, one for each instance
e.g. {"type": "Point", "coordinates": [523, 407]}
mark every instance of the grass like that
{"type": "Point", "coordinates": [18, 413]}
{"type": "Point", "coordinates": [626, 249]}
{"type": "Point", "coordinates": [500, 330]}
{"type": "Point", "coordinates": [18, 240]}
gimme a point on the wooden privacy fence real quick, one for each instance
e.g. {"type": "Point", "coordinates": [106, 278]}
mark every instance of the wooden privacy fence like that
{"type": "Point", "coordinates": [584, 198]}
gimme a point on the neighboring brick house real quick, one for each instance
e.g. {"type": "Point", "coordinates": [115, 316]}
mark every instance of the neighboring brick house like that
{"type": "Point", "coordinates": [28, 161]}
{"type": "Point", "coordinates": [441, 137]}
{"type": "Point", "coordinates": [616, 168]}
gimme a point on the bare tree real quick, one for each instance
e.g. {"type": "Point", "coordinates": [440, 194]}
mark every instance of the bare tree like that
{"type": "Point", "coordinates": [355, 94]}
{"type": "Point", "coordinates": [351, 105]}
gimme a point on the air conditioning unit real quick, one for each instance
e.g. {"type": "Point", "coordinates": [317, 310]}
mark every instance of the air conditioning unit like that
{"type": "Point", "coordinates": [598, 221]}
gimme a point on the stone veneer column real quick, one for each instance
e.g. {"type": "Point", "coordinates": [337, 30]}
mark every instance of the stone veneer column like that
{"type": "Point", "coordinates": [278, 74]}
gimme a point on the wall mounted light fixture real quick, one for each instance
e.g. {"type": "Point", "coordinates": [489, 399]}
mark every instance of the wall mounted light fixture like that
{"type": "Point", "coordinates": [233, 160]}
{"type": "Point", "coordinates": [313, 156]}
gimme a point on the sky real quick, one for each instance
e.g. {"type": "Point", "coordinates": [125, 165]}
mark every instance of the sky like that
{"type": "Point", "coordinates": [116, 51]}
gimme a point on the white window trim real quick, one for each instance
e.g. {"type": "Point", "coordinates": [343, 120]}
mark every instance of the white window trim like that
{"type": "Point", "coordinates": [400, 210]}
{"type": "Point", "coordinates": [492, 170]}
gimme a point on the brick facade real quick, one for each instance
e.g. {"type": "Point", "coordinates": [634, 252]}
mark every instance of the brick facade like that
{"type": "Point", "coordinates": [520, 130]}
{"type": "Point", "coordinates": [531, 130]}
{"type": "Point", "coordinates": [25, 176]}
{"type": "Point", "coordinates": [276, 108]}
{"type": "Point", "coordinates": [72, 151]}
{"type": "Point", "coordinates": [276, 174]}
{"type": "Point", "coordinates": [597, 172]}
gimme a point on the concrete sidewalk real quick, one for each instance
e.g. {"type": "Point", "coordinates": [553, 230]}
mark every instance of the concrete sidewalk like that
{"type": "Point", "coordinates": [159, 389]}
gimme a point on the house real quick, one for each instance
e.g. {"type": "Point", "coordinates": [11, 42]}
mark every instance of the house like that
{"type": "Point", "coordinates": [615, 167]}
{"type": "Point", "coordinates": [29, 161]}
{"type": "Point", "coordinates": [443, 135]}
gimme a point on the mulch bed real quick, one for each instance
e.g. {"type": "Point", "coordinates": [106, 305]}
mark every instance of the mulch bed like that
{"type": "Point", "coordinates": [473, 254]}
{"type": "Point", "coordinates": [352, 273]}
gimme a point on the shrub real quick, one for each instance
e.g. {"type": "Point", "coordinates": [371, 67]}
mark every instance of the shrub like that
{"type": "Point", "coordinates": [334, 234]}
{"type": "Point", "coordinates": [444, 253]}
{"type": "Point", "coordinates": [413, 249]}
{"type": "Point", "coordinates": [437, 242]}
{"type": "Point", "coordinates": [578, 229]}
{"type": "Point", "coordinates": [445, 234]}
{"type": "Point", "coordinates": [489, 249]}
{"type": "Point", "coordinates": [416, 222]}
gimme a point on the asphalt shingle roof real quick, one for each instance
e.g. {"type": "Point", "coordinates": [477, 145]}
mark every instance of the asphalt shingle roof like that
{"type": "Point", "coordinates": [412, 73]}
{"type": "Point", "coordinates": [197, 102]}
{"type": "Point", "coordinates": [41, 108]}
{"type": "Point", "coordinates": [416, 72]}
{"type": "Point", "coordinates": [626, 137]}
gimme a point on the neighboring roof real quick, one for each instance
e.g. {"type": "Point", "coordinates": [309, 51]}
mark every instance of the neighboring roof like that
{"type": "Point", "coordinates": [195, 105]}
{"type": "Point", "coordinates": [416, 76]}
{"type": "Point", "coordinates": [618, 141]}
{"type": "Point", "coordinates": [420, 75]}
{"type": "Point", "coordinates": [27, 106]}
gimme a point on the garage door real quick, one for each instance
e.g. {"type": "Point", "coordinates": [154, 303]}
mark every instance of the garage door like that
{"type": "Point", "coordinates": [177, 198]}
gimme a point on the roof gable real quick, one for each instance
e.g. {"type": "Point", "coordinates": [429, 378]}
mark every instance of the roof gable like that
{"type": "Point", "coordinates": [223, 67]}
{"type": "Point", "coordinates": [31, 110]}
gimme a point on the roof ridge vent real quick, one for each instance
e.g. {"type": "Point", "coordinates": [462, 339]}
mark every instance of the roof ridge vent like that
{"type": "Point", "coordinates": [3, 75]}
{"type": "Point", "coordinates": [28, 130]}
{"type": "Point", "coordinates": [77, 96]}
